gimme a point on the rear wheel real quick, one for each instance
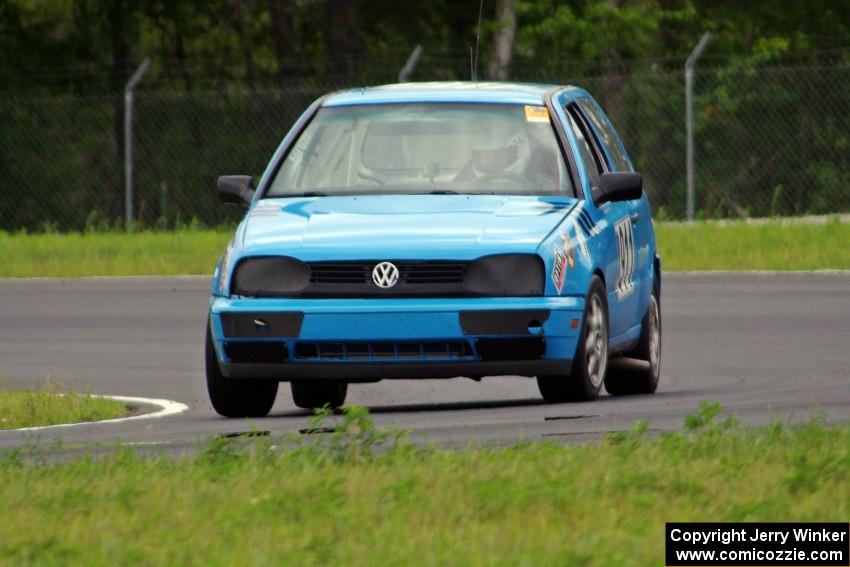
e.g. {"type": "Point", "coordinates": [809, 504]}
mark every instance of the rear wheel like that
{"type": "Point", "coordinates": [236, 397]}
{"type": "Point", "coordinates": [643, 380]}
{"type": "Point", "coordinates": [310, 394]}
{"type": "Point", "coordinates": [591, 359]}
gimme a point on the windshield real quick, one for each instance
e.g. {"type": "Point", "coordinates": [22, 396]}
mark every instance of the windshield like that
{"type": "Point", "coordinates": [425, 148]}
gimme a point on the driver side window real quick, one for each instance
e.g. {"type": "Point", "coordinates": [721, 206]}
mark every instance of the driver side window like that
{"type": "Point", "coordinates": [591, 163]}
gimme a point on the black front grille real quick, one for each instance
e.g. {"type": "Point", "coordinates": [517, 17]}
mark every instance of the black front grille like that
{"type": "Point", "coordinates": [498, 275]}
{"type": "Point", "coordinates": [334, 273]}
{"type": "Point", "coordinates": [410, 273]}
{"type": "Point", "coordinates": [431, 272]}
{"type": "Point", "coordinates": [382, 351]}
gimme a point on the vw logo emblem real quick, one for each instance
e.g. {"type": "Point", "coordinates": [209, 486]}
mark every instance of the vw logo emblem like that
{"type": "Point", "coordinates": [385, 275]}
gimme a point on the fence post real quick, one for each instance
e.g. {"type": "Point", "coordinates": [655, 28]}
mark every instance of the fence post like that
{"type": "Point", "coordinates": [689, 119]}
{"type": "Point", "coordinates": [128, 142]}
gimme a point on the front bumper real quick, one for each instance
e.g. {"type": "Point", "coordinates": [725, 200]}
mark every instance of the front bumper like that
{"type": "Point", "coordinates": [371, 339]}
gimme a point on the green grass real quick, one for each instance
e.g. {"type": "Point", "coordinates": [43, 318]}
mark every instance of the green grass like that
{"type": "Point", "coordinates": [341, 503]}
{"type": "Point", "coordinates": [763, 246]}
{"type": "Point", "coordinates": [683, 247]}
{"type": "Point", "coordinates": [111, 254]}
{"type": "Point", "coordinates": [50, 406]}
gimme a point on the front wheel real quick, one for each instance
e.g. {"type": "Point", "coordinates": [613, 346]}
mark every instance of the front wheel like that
{"type": "Point", "coordinates": [642, 380]}
{"type": "Point", "coordinates": [236, 397]}
{"type": "Point", "coordinates": [591, 359]}
{"type": "Point", "coordinates": [311, 394]}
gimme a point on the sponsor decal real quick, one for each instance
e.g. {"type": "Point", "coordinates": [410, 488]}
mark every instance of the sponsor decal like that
{"type": "Point", "coordinates": [582, 243]}
{"type": "Point", "coordinates": [626, 250]}
{"type": "Point", "coordinates": [559, 270]}
{"type": "Point", "coordinates": [569, 250]}
{"type": "Point", "coordinates": [537, 114]}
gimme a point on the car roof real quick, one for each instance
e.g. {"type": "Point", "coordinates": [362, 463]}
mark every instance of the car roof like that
{"type": "Point", "coordinates": [458, 91]}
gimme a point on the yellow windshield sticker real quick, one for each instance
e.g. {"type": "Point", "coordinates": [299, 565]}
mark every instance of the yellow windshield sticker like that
{"type": "Point", "coordinates": [536, 114]}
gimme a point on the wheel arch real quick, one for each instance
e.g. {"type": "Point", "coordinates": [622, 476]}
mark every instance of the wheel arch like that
{"type": "Point", "coordinates": [597, 271]}
{"type": "Point", "coordinates": [656, 277]}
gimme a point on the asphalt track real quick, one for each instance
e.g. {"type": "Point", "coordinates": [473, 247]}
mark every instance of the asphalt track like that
{"type": "Point", "coordinates": [765, 346]}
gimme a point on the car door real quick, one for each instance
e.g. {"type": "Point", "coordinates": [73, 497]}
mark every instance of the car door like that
{"type": "Point", "coordinates": [639, 208]}
{"type": "Point", "coordinates": [616, 230]}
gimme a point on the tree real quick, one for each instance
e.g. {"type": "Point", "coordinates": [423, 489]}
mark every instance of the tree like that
{"type": "Point", "coordinates": [342, 38]}
{"type": "Point", "coordinates": [503, 44]}
{"type": "Point", "coordinates": [284, 40]}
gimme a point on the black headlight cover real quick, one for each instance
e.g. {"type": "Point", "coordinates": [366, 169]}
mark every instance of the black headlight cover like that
{"type": "Point", "coordinates": [508, 275]}
{"type": "Point", "coordinates": [270, 276]}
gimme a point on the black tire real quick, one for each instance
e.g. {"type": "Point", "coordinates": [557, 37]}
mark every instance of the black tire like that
{"type": "Point", "coordinates": [630, 380]}
{"type": "Point", "coordinates": [584, 383]}
{"type": "Point", "coordinates": [311, 394]}
{"type": "Point", "coordinates": [237, 397]}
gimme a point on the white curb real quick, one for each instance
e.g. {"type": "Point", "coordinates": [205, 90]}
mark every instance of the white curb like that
{"type": "Point", "coordinates": [167, 407]}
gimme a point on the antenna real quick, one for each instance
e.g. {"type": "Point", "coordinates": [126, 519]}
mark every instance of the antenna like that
{"type": "Point", "coordinates": [477, 42]}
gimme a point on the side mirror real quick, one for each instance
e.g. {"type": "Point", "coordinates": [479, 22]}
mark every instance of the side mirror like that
{"type": "Point", "coordinates": [618, 186]}
{"type": "Point", "coordinates": [236, 189]}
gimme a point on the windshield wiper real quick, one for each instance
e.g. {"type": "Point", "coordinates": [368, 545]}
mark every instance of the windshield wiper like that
{"type": "Point", "coordinates": [450, 192]}
{"type": "Point", "coordinates": [311, 194]}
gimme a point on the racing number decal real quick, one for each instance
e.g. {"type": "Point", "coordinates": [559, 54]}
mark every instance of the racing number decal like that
{"type": "Point", "coordinates": [626, 250]}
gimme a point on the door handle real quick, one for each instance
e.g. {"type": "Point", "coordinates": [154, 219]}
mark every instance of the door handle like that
{"type": "Point", "coordinates": [634, 217]}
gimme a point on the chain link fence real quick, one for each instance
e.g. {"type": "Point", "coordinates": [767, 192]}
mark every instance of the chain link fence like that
{"type": "Point", "coordinates": [769, 141]}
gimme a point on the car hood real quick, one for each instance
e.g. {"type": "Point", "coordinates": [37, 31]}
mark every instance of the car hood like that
{"type": "Point", "coordinates": [400, 226]}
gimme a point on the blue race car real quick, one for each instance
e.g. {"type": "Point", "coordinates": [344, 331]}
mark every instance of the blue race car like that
{"type": "Point", "coordinates": [434, 231]}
